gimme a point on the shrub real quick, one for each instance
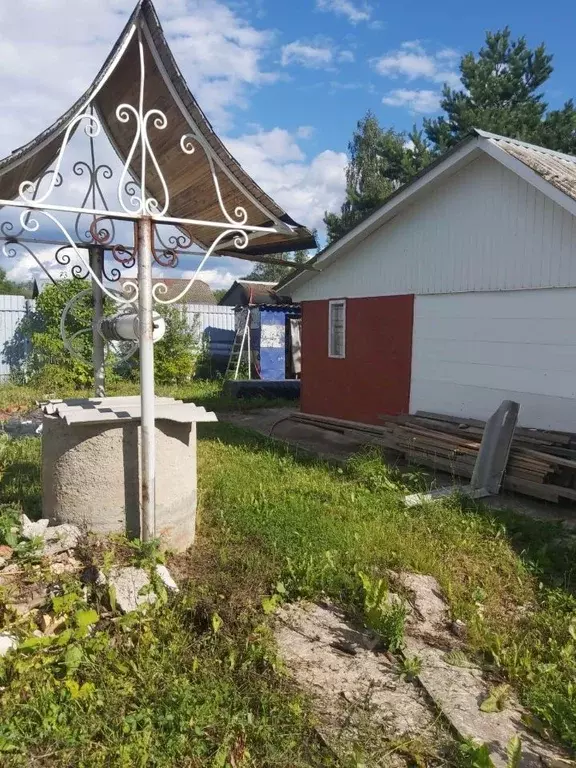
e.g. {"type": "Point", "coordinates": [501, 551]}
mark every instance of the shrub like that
{"type": "Point", "coordinates": [176, 354]}
{"type": "Point", "coordinates": [38, 356]}
{"type": "Point", "coordinates": [37, 352]}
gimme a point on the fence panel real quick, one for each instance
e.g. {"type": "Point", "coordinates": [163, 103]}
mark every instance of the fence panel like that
{"type": "Point", "coordinates": [205, 316]}
{"type": "Point", "coordinates": [216, 326]}
{"type": "Point", "coordinates": [12, 310]}
{"type": "Point", "coordinates": [211, 323]}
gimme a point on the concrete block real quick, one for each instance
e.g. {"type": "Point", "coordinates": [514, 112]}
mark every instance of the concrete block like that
{"type": "Point", "coordinates": [7, 643]}
{"type": "Point", "coordinates": [90, 478]}
{"type": "Point", "coordinates": [131, 587]}
{"type": "Point", "coordinates": [31, 530]}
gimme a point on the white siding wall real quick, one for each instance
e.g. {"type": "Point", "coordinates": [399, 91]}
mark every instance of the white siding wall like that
{"type": "Point", "coordinates": [484, 229]}
{"type": "Point", "coordinates": [471, 351]}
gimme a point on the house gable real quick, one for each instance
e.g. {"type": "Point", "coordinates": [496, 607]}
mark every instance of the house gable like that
{"type": "Point", "coordinates": [482, 229]}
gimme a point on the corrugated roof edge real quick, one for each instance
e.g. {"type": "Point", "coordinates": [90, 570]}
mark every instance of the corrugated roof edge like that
{"type": "Point", "coordinates": [536, 147]}
{"type": "Point", "coordinates": [477, 139]}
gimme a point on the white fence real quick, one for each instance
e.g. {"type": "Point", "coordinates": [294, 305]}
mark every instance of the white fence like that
{"type": "Point", "coordinates": [216, 326]}
{"type": "Point", "coordinates": [213, 323]}
{"type": "Point", "coordinates": [12, 310]}
{"type": "Point", "coordinates": [206, 316]}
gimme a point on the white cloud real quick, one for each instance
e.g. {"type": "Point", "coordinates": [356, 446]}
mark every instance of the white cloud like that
{"type": "Point", "coordinates": [450, 54]}
{"type": "Point", "coordinates": [217, 278]}
{"type": "Point", "coordinates": [51, 50]}
{"type": "Point", "coordinates": [318, 53]}
{"type": "Point", "coordinates": [346, 56]}
{"type": "Point", "coordinates": [353, 11]}
{"type": "Point", "coordinates": [305, 132]}
{"type": "Point", "coordinates": [305, 188]}
{"type": "Point", "coordinates": [413, 62]}
{"type": "Point", "coordinates": [307, 54]}
{"type": "Point", "coordinates": [415, 100]}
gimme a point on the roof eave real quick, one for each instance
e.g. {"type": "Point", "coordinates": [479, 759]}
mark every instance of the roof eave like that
{"type": "Point", "coordinates": [289, 235]}
{"type": "Point", "coordinates": [405, 195]}
{"type": "Point", "coordinates": [479, 141]}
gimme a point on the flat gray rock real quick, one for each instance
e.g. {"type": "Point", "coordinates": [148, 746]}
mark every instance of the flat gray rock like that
{"type": "Point", "coordinates": [30, 529]}
{"type": "Point", "coordinates": [459, 691]}
{"type": "Point", "coordinates": [357, 693]}
{"type": "Point", "coordinates": [166, 578]}
{"type": "Point", "coordinates": [7, 643]}
{"type": "Point", "coordinates": [132, 587]}
{"type": "Point", "coordinates": [60, 538]}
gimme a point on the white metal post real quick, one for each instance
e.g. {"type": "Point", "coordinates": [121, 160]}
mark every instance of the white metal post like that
{"type": "Point", "coordinates": [249, 345]}
{"type": "Point", "coordinates": [144, 238]}
{"type": "Point", "coordinates": [96, 254]}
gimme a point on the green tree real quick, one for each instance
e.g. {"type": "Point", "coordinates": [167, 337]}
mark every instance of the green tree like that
{"type": "Point", "coordinates": [501, 93]}
{"type": "Point", "coordinates": [9, 287]}
{"type": "Point", "coordinates": [380, 161]}
{"type": "Point", "coordinates": [219, 293]}
{"type": "Point", "coordinates": [37, 351]}
{"type": "Point", "coordinates": [176, 354]}
{"type": "Point", "coordinates": [273, 273]}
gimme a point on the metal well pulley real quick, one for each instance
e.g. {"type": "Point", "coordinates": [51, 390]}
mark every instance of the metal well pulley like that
{"type": "Point", "coordinates": [119, 330]}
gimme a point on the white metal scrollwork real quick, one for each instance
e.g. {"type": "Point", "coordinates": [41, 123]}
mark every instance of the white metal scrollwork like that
{"type": "Point", "coordinates": [141, 203]}
{"type": "Point", "coordinates": [31, 224]}
{"type": "Point", "coordinates": [187, 146]}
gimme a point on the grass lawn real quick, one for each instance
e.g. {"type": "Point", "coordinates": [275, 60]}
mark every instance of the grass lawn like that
{"type": "Point", "coordinates": [202, 392]}
{"type": "Point", "coordinates": [195, 682]}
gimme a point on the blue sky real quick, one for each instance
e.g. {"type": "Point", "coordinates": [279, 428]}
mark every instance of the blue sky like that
{"type": "Point", "coordinates": [283, 81]}
{"type": "Point", "coordinates": [332, 97]}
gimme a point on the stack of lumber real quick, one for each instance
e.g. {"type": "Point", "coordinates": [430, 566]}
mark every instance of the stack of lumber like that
{"type": "Point", "coordinates": [541, 464]}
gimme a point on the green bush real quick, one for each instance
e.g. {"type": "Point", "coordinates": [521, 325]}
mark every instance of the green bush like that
{"type": "Point", "coordinates": [44, 361]}
{"type": "Point", "coordinates": [176, 355]}
{"type": "Point", "coordinates": [38, 356]}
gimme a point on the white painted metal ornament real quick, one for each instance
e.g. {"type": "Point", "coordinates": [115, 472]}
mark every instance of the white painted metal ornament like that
{"type": "Point", "coordinates": [133, 321]}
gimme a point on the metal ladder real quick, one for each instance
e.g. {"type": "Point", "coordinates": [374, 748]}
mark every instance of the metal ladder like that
{"type": "Point", "coordinates": [240, 346]}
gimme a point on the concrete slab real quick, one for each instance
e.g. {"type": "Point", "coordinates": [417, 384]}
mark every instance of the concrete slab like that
{"type": "Point", "coordinates": [357, 693]}
{"type": "Point", "coordinates": [459, 691]}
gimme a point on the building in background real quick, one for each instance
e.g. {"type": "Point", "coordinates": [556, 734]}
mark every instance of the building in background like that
{"type": "Point", "coordinates": [199, 293]}
{"type": "Point", "coordinates": [244, 292]}
{"type": "Point", "coordinates": [457, 293]}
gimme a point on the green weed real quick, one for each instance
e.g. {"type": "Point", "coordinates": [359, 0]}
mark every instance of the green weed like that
{"type": "Point", "coordinates": [195, 681]}
{"type": "Point", "coordinates": [159, 687]}
{"type": "Point", "coordinates": [382, 614]}
{"type": "Point", "coordinates": [410, 668]}
{"type": "Point", "coordinates": [315, 528]}
{"type": "Point", "coordinates": [478, 755]}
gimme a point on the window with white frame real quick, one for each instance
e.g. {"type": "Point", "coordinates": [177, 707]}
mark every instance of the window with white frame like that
{"type": "Point", "coordinates": [337, 328]}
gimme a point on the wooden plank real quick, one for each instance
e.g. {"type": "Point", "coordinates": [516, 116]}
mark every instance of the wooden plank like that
{"type": "Point", "coordinates": [342, 422]}
{"type": "Point", "coordinates": [549, 458]}
{"type": "Point", "coordinates": [539, 490]}
{"type": "Point", "coordinates": [562, 438]}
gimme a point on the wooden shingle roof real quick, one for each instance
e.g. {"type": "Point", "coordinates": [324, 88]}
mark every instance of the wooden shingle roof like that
{"type": "Point", "coordinates": [189, 177]}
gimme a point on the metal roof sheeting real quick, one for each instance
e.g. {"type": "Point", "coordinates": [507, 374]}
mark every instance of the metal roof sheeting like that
{"type": "Point", "coordinates": [114, 409]}
{"type": "Point", "coordinates": [554, 167]}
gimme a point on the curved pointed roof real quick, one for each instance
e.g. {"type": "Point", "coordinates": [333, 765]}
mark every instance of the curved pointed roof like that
{"type": "Point", "coordinates": [188, 177]}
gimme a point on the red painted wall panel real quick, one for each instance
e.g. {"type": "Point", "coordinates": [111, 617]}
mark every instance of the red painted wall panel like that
{"type": "Point", "coordinates": [374, 377]}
